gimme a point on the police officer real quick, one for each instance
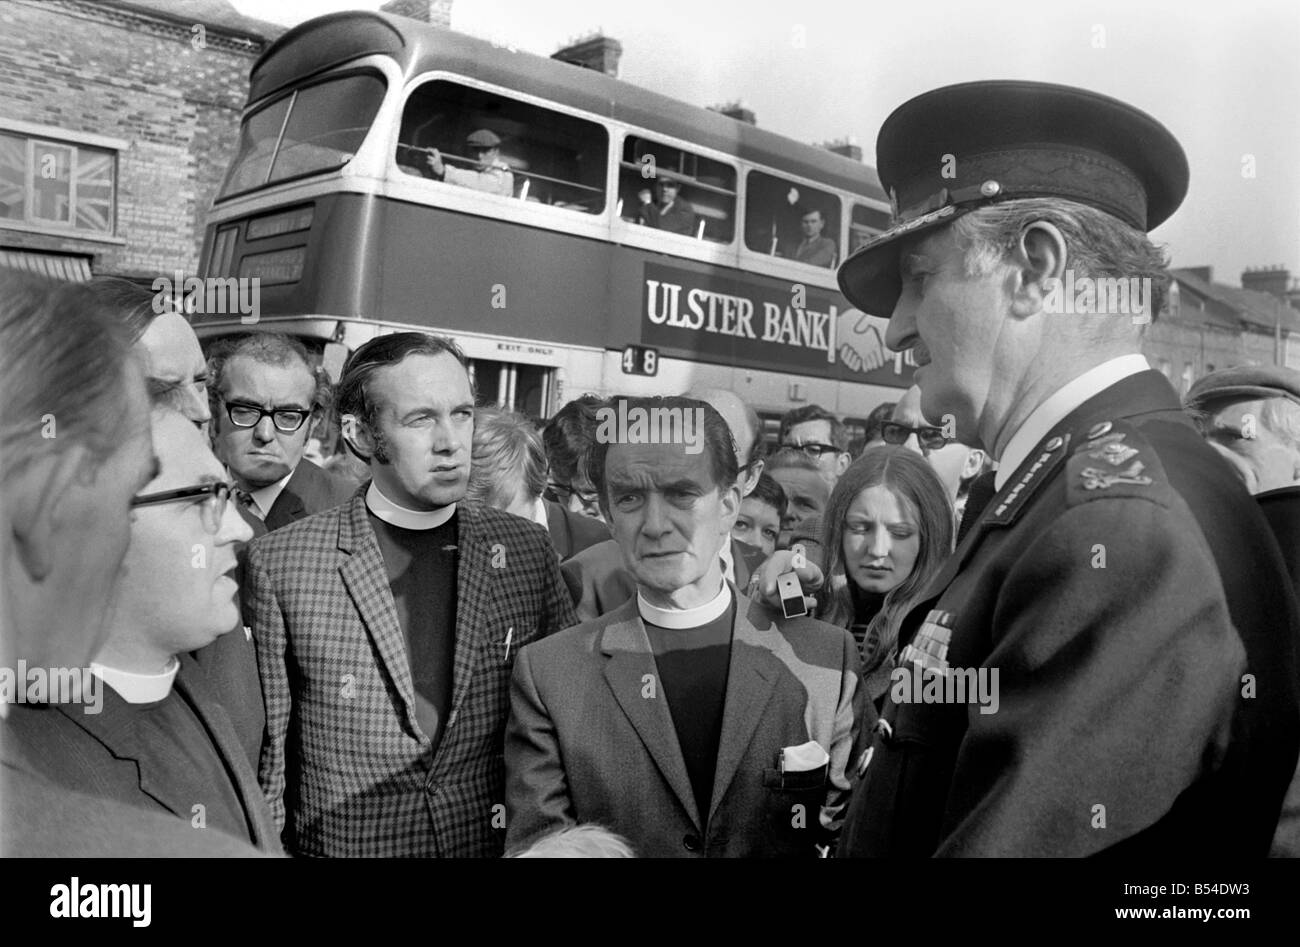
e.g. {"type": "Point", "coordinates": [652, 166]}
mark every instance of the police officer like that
{"type": "Point", "coordinates": [493, 175]}
{"type": "Point", "coordinates": [1120, 596]}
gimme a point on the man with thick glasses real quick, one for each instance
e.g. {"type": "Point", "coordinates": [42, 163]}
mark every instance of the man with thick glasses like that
{"type": "Point", "coordinates": [822, 436]}
{"type": "Point", "coordinates": [266, 394]}
{"type": "Point", "coordinates": [162, 740]}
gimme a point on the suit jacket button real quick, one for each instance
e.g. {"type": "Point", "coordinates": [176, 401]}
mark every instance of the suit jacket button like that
{"type": "Point", "coordinates": [692, 843]}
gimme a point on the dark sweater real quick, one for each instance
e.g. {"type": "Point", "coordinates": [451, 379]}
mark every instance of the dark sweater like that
{"type": "Point", "coordinates": [421, 567]}
{"type": "Point", "coordinates": [693, 667]}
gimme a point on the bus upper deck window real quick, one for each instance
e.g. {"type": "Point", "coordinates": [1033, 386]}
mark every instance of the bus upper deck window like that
{"type": "Point", "coordinates": [786, 219]}
{"type": "Point", "coordinates": [476, 139]}
{"type": "Point", "coordinates": [677, 191]}
{"type": "Point", "coordinates": [865, 223]}
{"type": "Point", "coordinates": [325, 125]}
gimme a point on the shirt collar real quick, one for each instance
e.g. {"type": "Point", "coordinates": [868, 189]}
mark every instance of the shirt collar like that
{"type": "Point", "coordinates": [395, 515]}
{"type": "Point", "coordinates": [681, 618]}
{"type": "Point", "coordinates": [265, 497]}
{"type": "Point", "coordinates": [1054, 410]}
{"type": "Point", "coordinates": [539, 513]}
{"type": "Point", "coordinates": [138, 688]}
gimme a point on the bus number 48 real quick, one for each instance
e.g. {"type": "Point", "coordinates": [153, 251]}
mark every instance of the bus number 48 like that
{"type": "Point", "coordinates": [638, 360]}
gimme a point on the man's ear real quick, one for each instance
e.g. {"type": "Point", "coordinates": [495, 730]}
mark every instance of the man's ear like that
{"type": "Point", "coordinates": [730, 506]}
{"type": "Point", "coordinates": [357, 435]}
{"type": "Point", "coordinates": [842, 463]}
{"type": "Point", "coordinates": [1039, 259]}
{"type": "Point", "coordinates": [751, 478]}
{"type": "Point", "coordinates": [974, 463]}
{"type": "Point", "coordinates": [51, 483]}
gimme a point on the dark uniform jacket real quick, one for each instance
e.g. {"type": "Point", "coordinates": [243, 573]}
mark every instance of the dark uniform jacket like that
{"type": "Point", "coordinates": [1129, 593]}
{"type": "Point", "coordinates": [1281, 508]}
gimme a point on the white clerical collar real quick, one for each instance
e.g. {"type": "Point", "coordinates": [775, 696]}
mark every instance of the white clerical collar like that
{"type": "Point", "coordinates": [395, 515]}
{"type": "Point", "coordinates": [677, 618]}
{"type": "Point", "coordinates": [265, 497]}
{"type": "Point", "coordinates": [1052, 411]}
{"type": "Point", "coordinates": [137, 688]}
{"type": "Point", "coordinates": [539, 513]}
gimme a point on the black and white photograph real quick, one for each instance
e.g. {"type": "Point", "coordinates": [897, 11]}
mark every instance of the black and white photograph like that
{"type": "Point", "coordinates": [746, 430]}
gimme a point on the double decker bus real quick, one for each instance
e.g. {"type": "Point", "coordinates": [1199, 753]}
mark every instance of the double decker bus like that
{"type": "Point", "coordinates": [568, 283]}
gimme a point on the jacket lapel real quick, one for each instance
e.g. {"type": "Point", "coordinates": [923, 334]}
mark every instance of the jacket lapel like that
{"type": "Point", "coordinates": [114, 727]}
{"type": "Point", "coordinates": [190, 682]}
{"type": "Point", "coordinates": [630, 663]}
{"type": "Point", "coordinates": [289, 506]}
{"type": "Point", "coordinates": [366, 578]}
{"type": "Point", "coordinates": [475, 602]}
{"type": "Point", "coordinates": [752, 673]}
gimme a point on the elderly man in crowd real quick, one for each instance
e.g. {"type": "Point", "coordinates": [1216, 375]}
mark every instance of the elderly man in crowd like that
{"type": "Point", "coordinates": [1251, 415]}
{"type": "Point", "coordinates": [387, 627]}
{"type": "Point", "coordinates": [162, 740]}
{"type": "Point", "coordinates": [1121, 583]}
{"type": "Point", "coordinates": [598, 577]}
{"type": "Point", "coordinates": [684, 720]}
{"type": "Point", "coordinates": [75, 448]}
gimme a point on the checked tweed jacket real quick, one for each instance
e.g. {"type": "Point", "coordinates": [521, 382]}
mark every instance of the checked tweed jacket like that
{"type": "Point", "coordinates": [345, 766]}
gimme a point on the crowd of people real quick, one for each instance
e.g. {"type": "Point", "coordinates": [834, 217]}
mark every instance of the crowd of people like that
{"type": "Point", "coordinates": [491, 637]}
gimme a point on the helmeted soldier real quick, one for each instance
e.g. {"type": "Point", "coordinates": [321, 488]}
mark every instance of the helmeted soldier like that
{"type": "Point", "coordinates": [1121, 594]}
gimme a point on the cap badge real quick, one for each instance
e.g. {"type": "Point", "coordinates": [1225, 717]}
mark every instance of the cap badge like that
{"type": "Point", "coordinates": [1114, 453]}
{"type": "Point", "coordinates": [990, 188]}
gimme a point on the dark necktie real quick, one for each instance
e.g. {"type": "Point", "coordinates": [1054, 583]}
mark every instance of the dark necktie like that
{"type": "Point", "coordinates": [248, 510]}
{"type": "Point", "coordinates": [981, 491]}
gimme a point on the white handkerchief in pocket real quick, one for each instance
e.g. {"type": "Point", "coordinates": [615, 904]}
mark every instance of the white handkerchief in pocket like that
{"type": "Point", "coordinates": [803, 758]}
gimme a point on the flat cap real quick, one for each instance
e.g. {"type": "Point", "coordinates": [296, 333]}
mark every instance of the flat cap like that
{"type": "Point", "coordinates": [956, 149]}
{"type": "Point", "coordinates": [1245, 382]}
{"type": "Point", "coordinates": [483, 139]}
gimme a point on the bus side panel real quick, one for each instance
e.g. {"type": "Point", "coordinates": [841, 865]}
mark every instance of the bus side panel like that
{"type": "Point", "coordinates": [457, 271]}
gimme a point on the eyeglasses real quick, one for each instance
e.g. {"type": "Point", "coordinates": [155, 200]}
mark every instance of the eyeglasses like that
{"type": "Point", "coordinates": [563, 492]}
{"type": "Point", "coordinates": [930, 438]}
{"type": "Point", "coordinates": [813, 449]}
{"type": "Point", "coordinates": [286, 420]}
{"type": "Point", "coordinates": [214, 496]}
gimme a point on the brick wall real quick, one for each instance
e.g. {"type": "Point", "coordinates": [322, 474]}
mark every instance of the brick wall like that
{"type": "Point", "coordinates": [88, 68]}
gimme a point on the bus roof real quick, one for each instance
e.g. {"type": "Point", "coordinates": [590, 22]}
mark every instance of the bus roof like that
{"type": "Point", "coordinates": [328, 41]}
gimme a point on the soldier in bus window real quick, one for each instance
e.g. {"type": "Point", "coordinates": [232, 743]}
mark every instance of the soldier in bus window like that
{"type": "Point", "coordinates": [814, 248]}
{"type": "Point", "coordinates": [492, 175]}
{"type": "Point", "coordinates": [676, 214]}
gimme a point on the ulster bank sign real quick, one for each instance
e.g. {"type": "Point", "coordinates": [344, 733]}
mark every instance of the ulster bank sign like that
{"type": "Point", "coordinates": [760, 323]}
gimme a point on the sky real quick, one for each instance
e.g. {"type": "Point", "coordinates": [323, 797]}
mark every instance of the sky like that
{"type": "Point", "coordinates": [1223, 77]}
